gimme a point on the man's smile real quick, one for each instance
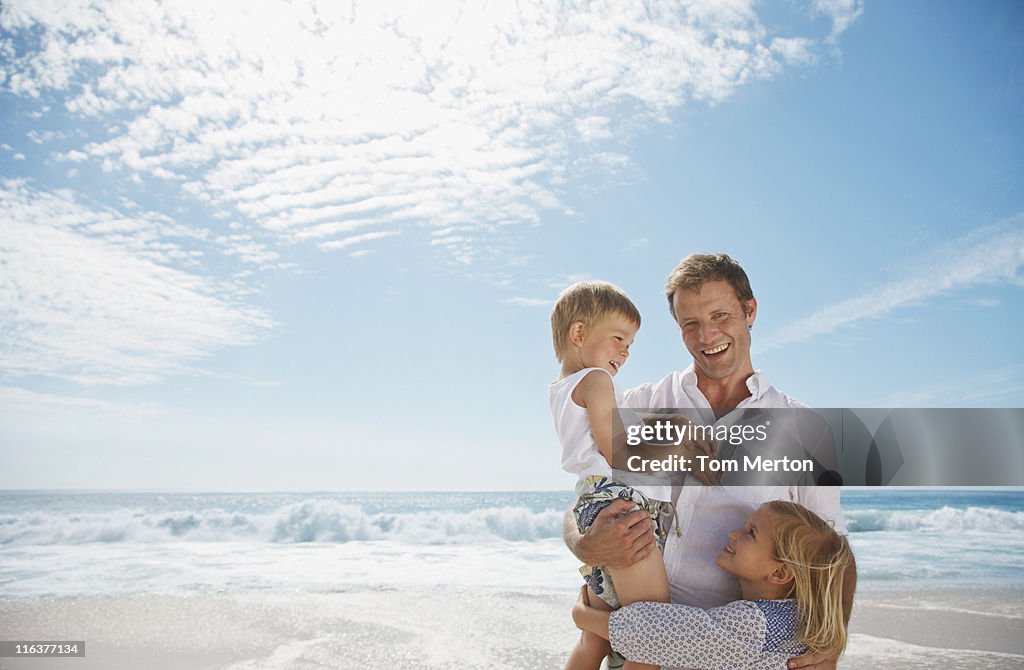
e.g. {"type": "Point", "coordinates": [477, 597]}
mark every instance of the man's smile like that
{"type": "Point", "coordinates": [715, 350]}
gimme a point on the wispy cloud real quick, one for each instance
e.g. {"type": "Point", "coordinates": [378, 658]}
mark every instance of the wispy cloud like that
{"type": "Point", "coordinates": [19, 400]}
{"type": "Point", "coordinates": [562, 281]}
{"type": "Point", "coordinates": [995, 388]}
{"type": "Point", "coordinates": [529, 302]}
{"type": "Point", "coordinates": [843, 14]}
{"type": "Point", "coordinates": [96, 296]}
{"type": "Point", "coordinates": [987, 256]}
{"type": "Point", "coordinates": [356, 239]}
{"type": "Point", "coordinates": [320, 120]}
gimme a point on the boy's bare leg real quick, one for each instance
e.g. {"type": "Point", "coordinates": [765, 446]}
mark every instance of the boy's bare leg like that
{"type": "Point", "coordinates": [590, 651]}
{"type": "Point", "coordinates": [644, 581]}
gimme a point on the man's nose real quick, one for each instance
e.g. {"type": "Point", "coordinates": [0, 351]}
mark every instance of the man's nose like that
{"type": "Point", "coordinates": [708, 332]}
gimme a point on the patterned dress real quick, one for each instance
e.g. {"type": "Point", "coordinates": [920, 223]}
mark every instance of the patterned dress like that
{"type": "Point", "coordinates": [750, 634]}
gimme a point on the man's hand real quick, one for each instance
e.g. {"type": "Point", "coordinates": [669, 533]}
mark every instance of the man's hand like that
{"type": "Point", "coordinates": [813, 661]}
{"type": "Point", "coordinates": [616, 541]}
{"type": "Point", "coordinates": [677, 438]}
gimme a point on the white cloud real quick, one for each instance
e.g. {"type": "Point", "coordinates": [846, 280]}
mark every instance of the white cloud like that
{"type": "Point", "coordinates": [794, 51]}
{"type": "Point", "coordinates": [314, 119]}
{"type": "Point", "coordinates": [843, 14]}
{"type": "Point", "coordinates": [355, 239]}
{"type": "Point", "coordinates": [994, 388]}
{"type": "Point", "coordinates": [529, 302]}
{"type": "Point", "coordinates": [21, 400]}
{"type": "Point", "coordinates": [562, 281]}
{"type": "Point", "coordinates": [986, 256]}
{"type": "Point", "coordinates": [594, 128]}
{"type": "Point", "coordinates": [94, 296]}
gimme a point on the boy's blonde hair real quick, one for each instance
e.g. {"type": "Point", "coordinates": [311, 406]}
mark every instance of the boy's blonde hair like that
{"type": "Point", "coordinates": [818, 557]}
{"type": "Point", "coordinates": [589, 302]}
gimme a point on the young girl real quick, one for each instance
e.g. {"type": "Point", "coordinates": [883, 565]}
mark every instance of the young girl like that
{"type": "Point", "coordinates": [790, 564]}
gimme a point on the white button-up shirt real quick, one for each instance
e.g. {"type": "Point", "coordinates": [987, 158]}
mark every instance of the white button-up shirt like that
{"type": "Point", "coordinates": [706, 514]}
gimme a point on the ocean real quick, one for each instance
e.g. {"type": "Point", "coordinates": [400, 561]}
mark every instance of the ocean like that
{"type": "Point", "coordinates": [419, 577]}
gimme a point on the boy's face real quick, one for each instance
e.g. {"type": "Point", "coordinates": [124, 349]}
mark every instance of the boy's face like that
{"type": "Point", "coordinates": [606, 343]}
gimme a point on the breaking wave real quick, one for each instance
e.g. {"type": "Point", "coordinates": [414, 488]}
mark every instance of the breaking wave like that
{"type": "Point", "coordinates": [307, 521]}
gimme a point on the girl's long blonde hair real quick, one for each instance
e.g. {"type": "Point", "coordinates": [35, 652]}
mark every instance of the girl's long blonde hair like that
{"type": "Point", "coordinates": [818, 557]}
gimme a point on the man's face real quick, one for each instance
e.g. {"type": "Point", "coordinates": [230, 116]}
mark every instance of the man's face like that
{"type": "Point", "coordinates": [716, 330]}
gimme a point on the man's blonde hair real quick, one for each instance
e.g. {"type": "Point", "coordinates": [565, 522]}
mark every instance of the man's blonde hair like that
{"type": "Point", "coordinates": [695, 269]}
{"type": "Point", "coordinates": [590, 302]}
{"type": "Point", "coordinates": [818, 557]}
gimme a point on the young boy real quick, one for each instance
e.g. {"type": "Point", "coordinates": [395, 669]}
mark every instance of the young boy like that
{"type": "Point", "coordinates": [593, 325]}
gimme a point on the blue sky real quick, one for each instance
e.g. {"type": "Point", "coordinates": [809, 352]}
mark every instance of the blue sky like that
{"type": "Point", "coordinates": [313, 246]}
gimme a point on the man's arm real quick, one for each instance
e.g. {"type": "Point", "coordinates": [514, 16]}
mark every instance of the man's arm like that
{"type": "Point", "coordinates": [612, 541]}
{"type": "Point", "coordinates": [821, 661]}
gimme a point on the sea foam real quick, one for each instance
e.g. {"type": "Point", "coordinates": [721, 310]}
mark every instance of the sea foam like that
{"type": "Point", "coordinates": [315, 520]}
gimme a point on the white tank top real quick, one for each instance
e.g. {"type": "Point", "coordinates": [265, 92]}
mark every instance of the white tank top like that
{"type": "Point", "coordinates": [580, 454]}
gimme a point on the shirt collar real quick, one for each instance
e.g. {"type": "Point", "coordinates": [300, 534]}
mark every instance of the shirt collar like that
{"type": "Point", "coordinates": [756, 383]}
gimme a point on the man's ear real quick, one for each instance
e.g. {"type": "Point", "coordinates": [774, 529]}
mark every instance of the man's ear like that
{"type": "Point", "coordinates": [576, 333]}
{"type": "Point", "coordinates": [781, 575]}
{"type": "Point", "coordinates": [750, 310]}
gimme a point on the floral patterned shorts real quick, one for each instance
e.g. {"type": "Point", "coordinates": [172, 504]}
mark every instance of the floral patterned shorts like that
{"type": "Point", "coordinates": [595, 493]}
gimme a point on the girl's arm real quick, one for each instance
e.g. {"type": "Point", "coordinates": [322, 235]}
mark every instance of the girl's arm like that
{"type": "Point", "coordinates": [677, 635]}
{"type": "Point", "coordinates": [590, 618]}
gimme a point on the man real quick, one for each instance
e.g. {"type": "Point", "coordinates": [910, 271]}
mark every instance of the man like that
{"type": "Point", "coordinates": [711, 301]}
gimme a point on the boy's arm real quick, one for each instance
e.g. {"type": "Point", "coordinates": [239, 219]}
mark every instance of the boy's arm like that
{"type": "Point", "coordinates": [596, 393]}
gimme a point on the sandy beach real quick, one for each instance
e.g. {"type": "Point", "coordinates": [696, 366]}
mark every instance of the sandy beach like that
{"type": "Point", "coordinates": [439, 580]}
{"type": "Point", "coordinates": [462, 628]}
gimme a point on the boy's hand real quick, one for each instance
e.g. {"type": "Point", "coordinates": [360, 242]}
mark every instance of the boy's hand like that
{"type": "Point", "coordinates": [617, 541]}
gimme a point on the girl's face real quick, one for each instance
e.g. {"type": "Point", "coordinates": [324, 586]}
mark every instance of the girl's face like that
{"type": "Point", "coordinates": [750, 552]}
